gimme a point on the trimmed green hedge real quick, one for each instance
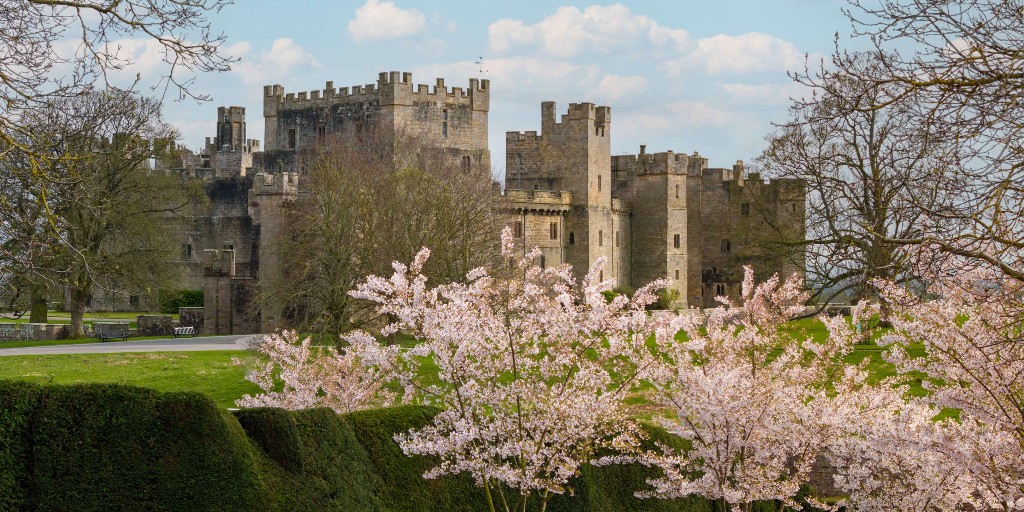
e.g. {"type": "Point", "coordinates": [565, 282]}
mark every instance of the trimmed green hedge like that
{"type": "Point", "coordinates": [111, 447]}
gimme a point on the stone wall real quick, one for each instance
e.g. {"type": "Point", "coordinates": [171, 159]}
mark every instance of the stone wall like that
{"type": "Point", "coordinates": [154, 325]}
{"type": "Point", "coordinates": [191, 317]}
{"type": "Point", "coordinates": [454, 118]}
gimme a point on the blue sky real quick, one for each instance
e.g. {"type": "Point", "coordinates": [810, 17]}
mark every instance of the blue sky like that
{"type": "Point", "coordinates": [678, 75]}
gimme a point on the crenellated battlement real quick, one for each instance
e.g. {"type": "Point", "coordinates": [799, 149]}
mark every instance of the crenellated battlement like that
{"type": "Point", "coordinates": [390, 86]}
{"type": "Point", "coordinates": [600, 117]}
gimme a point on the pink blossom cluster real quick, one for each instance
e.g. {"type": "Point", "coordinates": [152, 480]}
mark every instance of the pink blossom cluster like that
{"type": "Point", "coordinates": [757, 402]}
{"type": "Point", "coordinates": [298, 375]}
{"type": "Point", "coordinates": [532, 369]}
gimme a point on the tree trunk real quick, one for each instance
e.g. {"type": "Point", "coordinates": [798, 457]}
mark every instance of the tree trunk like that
{"type": "Point", "coordinates": [37, 314]}
{"type": "Point", "coordinates": [79, 298]}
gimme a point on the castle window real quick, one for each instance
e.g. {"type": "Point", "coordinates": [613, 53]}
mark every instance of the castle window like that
{"type": "Point", "coordinates": [229, 247]}
{"type": "Point", "coordinates": [572, 238]}
{"type": "Point", "coordinates": [792, 207]}
{"type": "Point", "coordinates": [600, 238]}
{"type": "Point", "coordinates": [677, 191]}
{"type": "Point", "coordinates": [291, 138]}
{"type": "Point", "coordinates": [677, 274]}
{"type": "Point", "coordinates": [745, 209]}
{"type": "Point", "coordinates": [676, 242]}
{"type": "Point", "coordinates": [466, 163]}
{"type": "Point", "coordinates": [186, 252]}
{"type": "Point", "coordinates": [598, 182]}
{"type": "Point", "coordinates": [554, 231]}
{"type": "Point", "coordinates": [542, 262]}
{"type": "Point", "coordinates": [616, 238]}
{"type": "Point", "coordinates": [321, 134]}
{"type": "Point", "coordinates": [444, 123]}
{"type": "Point", "coordinates": [600, 276]}
{"type": "Point", "coordinates": [518, 229]}
{"type": "Point", "coordinates": [720, 289]}
{"type": "Point", "coordinates": [726, 245]}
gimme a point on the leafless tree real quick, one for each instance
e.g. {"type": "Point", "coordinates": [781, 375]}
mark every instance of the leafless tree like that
{"type": "Point", "coordinates": [874, 179]}
{"type": "Point", "coordinates": [957, 68]}
{"type": "Point", "coordinates": [368, 201]}
{"type": "Point", "coordinates": [56, 50]}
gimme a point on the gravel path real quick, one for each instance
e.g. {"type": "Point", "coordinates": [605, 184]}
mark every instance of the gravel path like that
{"type": "Point", "coordinates": [161, 345]}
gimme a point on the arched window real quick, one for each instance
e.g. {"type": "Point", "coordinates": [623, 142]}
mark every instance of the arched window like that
{"type": "Point", "coordinates": [572, 237]}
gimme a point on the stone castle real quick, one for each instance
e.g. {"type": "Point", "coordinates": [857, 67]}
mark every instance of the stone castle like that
{"type": "Point", "coordinates": [650, 215]}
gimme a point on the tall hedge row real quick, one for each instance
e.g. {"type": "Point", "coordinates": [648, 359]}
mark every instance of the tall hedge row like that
{"type": "Point", "coordinates": [111, 447]}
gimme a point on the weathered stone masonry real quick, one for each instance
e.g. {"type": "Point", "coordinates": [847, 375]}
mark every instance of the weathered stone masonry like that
{"type": "Point", "coordinates": [649, 215]}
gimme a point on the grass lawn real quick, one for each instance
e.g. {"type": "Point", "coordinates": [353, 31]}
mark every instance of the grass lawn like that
{"type": "Point", "coordinates": [212, 372]}
{"type": "Point", "coordinates": [207, 372]}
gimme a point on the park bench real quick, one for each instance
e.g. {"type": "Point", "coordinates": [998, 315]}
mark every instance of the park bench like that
{"type": "Point", "coordinates": [104, 331]}
{"type": "Point", "coordinates": [184, 331]}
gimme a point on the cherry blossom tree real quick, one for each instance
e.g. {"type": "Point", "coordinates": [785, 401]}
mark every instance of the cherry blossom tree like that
{"type": "Point", "coordinates": [897, 456]}
{"type": "Point", "coordinates": [758, 402]}
{"type": "Point", "coordinates": [973, 362]}
{"type": "Point", "coordinates": [298, 375]}
{"type": "Point", "coordinates": [531, 370]}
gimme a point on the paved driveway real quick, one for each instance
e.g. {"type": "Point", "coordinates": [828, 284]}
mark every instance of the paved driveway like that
{"type": "Point", "coordinates": [162, 345]}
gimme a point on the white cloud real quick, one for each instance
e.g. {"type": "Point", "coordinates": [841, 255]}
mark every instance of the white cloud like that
{"type": "Point", "coordinates": [615, 87]}
{"type": "Point", "coordinates": [520, 77]}
{"type": "Point", "coordinates": [284, 57]}
{"type": "Point", "coordinates": [637, 127]}
{"type": "Point", "coordinates": [193, 132]}
{"type": "Point", "coordinates": [377, 20]}
{"type": "Point", "coordinates": [571, 31]}
{"type": "Point", "coordinates": [753, 52]}
{"type": "Point", "coordinates": [699, 113]}
{"type": "Point", "coordinates": [765, 94]}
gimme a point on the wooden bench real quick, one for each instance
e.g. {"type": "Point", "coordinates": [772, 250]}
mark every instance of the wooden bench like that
{"type": "Point", "coordinates": [113, 334]}
{"type": "Point", "coordinates": [184, 331]}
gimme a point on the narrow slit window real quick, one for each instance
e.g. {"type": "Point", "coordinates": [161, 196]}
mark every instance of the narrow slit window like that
{"type": "Point", "coordinates": [676, 241]}
{"type": "Point", "coordinates": [444, 123]}
{"type": "Point", "coordinates": [554, 231]}
{"type": "Point", "coordinates": [291, 138]}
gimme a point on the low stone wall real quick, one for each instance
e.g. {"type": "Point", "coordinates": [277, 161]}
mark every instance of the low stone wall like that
{"type": "Point", "coordinates": [16, 332]}
{"type": "Point", "coordinates": [155, 325]}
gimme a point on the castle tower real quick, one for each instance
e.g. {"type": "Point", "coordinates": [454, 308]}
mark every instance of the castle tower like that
{"type": "Point", "coordinates": [230, 128]}
{"type": "Point", "coordinates": [454, 118]}
{"type": "Point", "coordinates": [664, 190]}
{"type": "Point", "coordinates": [573, 155]}
{"type": "Point", "coordinates": [268, 201]}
